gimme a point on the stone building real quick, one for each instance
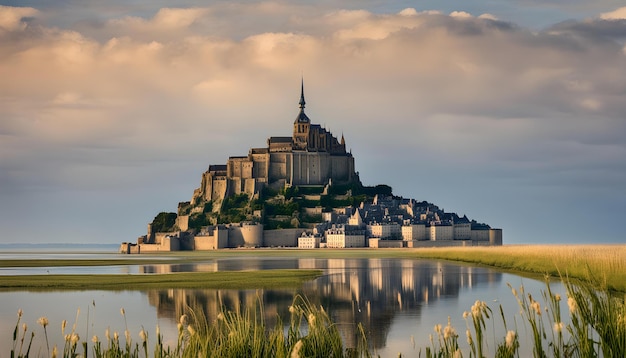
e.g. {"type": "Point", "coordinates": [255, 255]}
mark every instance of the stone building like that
{"type": "Point", "coordinates": [311, 156]}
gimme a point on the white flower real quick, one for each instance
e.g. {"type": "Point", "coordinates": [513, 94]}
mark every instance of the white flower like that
{"type": "Point", "coordinates": [571, 303]}
{"type": "Point", "coordinates": [449, 332]}
{"type": "Point", "coordinates": [75, 338]}
{"type": "Point", "coordinates": [312, 320]}
{"type": "Point", "coordinates": [510, 339]}
{"type": "Point", "coordinates": [43, 321]}
{"type": "Point", "coordinates": [558, 327]}
{"type": "Point", "coordinates": [295, 353]}
{"type": "Point", "coordinates": [536, 306]}
{"type": "Point", "coordinates": [465, 315]}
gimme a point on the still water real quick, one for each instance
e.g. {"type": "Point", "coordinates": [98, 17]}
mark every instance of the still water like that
{"type": "Point", "coordinates": [398, 301]}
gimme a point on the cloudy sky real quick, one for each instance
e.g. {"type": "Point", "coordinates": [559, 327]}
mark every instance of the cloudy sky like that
{"type": "Point", "coordinates": [512, 113]}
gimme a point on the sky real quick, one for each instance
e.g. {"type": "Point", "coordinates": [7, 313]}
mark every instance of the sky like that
{"type": "Point", "coordinates": [512, 113]}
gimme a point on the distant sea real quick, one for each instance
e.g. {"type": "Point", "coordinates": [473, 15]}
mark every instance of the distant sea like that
{"type": "Point", "coordinates": [59, 247]}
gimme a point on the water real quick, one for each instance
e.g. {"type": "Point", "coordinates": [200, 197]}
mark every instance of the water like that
{"type": "Point", "coordinates": [397, 300]}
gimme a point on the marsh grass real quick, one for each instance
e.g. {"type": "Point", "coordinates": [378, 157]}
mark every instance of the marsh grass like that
{"type": "Point", "coordinates": [603, 263]}
{"type": "Point", "coordinates": [225, 279]}
{"type": "Point", "coordinates": [309, 332]}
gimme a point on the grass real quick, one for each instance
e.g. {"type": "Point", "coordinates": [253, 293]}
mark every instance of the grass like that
{"type": "Point", "coordinates": [606, 263]}
{"type": "Point", "coordinates": [222, 280]}
{"type": "Point", "coordinates": [240, 333]}
{"type": "Point", "coordinates": [595, 327]}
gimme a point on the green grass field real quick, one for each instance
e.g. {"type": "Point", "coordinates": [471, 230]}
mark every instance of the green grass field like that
{"type": "Point", "coordinates": [222, 280]}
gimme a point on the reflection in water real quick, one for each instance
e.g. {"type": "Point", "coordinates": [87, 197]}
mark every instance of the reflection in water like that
{"type": "Point", "coordinates": [367, 291]}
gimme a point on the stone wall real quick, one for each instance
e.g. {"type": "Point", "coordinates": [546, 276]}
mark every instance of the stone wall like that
{"type": "Point", "coordinates": [282, 237]}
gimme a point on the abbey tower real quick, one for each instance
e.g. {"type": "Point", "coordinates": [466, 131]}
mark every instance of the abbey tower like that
{"type": "Point", "coordinates": [311, 156]}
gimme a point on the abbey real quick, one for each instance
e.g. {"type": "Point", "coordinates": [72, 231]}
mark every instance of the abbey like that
{"type": "Point", "coordinates": [311, 156]}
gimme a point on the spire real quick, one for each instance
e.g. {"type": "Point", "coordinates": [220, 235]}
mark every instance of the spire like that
{"type": "Point", "coordinates": [302, 102]}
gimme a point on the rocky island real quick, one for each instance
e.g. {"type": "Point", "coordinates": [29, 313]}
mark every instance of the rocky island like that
{"type": "Point", "coordinates": [303, 191]}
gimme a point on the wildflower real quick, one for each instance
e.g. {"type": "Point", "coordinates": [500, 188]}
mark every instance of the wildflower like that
{"type": "Point", "coordinates": [19, 313]}
{"type": "Point", "coordinates": [107, 334]}
{"type": "Point", "coordinates": [510, 339]}
{"type": "Point", "coordinates": [183, 319]}
{"type": "Point", "coordinates": [465, 315]}
{"type": "Point", "coordinates": [142, 335]}
{"type": "Point", "coordinates": [94, 339]}
{"type": "Point", "coordinates": [63, 324]}
{"type": "Point", "coordinates": [438, 328]}
{"type": "Point", "coordinates": [295, 353]}
{"type": "Point", "coordinates": [571, 303]}
{"type": "Point", "coordinates": [514, 292]}
{"type": "Point", "coordinates": [558, 327]}
{"type": "Point", "coordinates": [122, 312]}
{"type": "Point", "coordinates": [536, 306]}
{"type": "Point", "coordinates": [469, 336]}
{"type": "Point", "coordinates": [312, 320]}
{"type": "Point", "coordinates": [74, 338]}
{"type": "Point", "coordinates": [43, 321]}
{"type": "Point", "coordinates": [54, 351]}
{"type": "Point", "coordinates": [25, 327]}
{"type": "Point", "coordinates": [191, 330]}
{"type": "Point", "coordinates": [449, 332]}
{"type": "Point", "coordinates": [220, 316]}
{"type": "Point", "coordinates": [292, 309]}
{"type": "Point", "coordinates": [116, 336]}
{"type": "Point", "coordinates": [557, 297]}
{"type": "Point", "coordinates": [127, 335]}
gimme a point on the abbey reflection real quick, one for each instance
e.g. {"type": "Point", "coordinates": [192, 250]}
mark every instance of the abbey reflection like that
{"type": "Point", "coordinates": [370, 291]}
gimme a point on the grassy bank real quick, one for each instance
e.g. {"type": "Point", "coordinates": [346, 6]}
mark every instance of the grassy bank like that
{"type": "Point", "coordinates": [221, 280]}
{"type": "Point", "coordinates": [605, 264]}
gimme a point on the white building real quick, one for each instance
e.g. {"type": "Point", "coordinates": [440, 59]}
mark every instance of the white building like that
{"type": "Point", "coordinates": [414, 232]}
{"type": "Point", "coordinates": [384, 231]}
{"type": "Point", "coordinates": [441, 232]}
{"type": "Point", "coordinates": [340, 237]}
{"type": "Point", "coordinates": [309, 241]}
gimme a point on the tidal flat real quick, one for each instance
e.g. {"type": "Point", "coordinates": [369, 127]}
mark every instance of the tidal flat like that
{"type": "Point", "coordinates": [601, 263]}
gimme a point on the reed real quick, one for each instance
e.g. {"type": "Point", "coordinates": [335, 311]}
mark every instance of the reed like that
{"type": "Point", "coordinates": [234, 333]}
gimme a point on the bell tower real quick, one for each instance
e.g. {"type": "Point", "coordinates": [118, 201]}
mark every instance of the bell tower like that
{"type": "Point", "coordinates": [302, 124]}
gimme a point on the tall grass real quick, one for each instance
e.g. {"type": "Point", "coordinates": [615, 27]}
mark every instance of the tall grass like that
{"type": "Point", "coordinates": [589, 322]}
{"type": "Point", "coordinates": [606, 263]}
{"type": "Point", "coordinates": [234, 333]}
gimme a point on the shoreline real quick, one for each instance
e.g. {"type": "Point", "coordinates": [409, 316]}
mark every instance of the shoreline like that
{"type": "Point", "coordinates": [604, 264]}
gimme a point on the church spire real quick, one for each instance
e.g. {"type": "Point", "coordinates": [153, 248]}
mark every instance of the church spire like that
{"type": "Point", "coordinates": [302, 102]}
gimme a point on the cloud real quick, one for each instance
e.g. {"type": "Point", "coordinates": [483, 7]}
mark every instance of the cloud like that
{"type": "Point", "coordinates": [176, 90]}
{"type": "Point", "coordinates": [618, 14]}
{"type": "Point", "coordinates": [12, 18]}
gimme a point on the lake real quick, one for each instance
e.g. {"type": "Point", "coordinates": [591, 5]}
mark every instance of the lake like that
{"type": "Point", "coordinates": [398, 301]}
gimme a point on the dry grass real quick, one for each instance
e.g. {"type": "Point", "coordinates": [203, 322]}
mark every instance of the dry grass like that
{"type": "Point", "coordinates": [600, 263]}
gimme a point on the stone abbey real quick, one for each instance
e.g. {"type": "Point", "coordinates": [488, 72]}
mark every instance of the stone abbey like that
{"type": "Point", "coordinates": [311, 156]}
